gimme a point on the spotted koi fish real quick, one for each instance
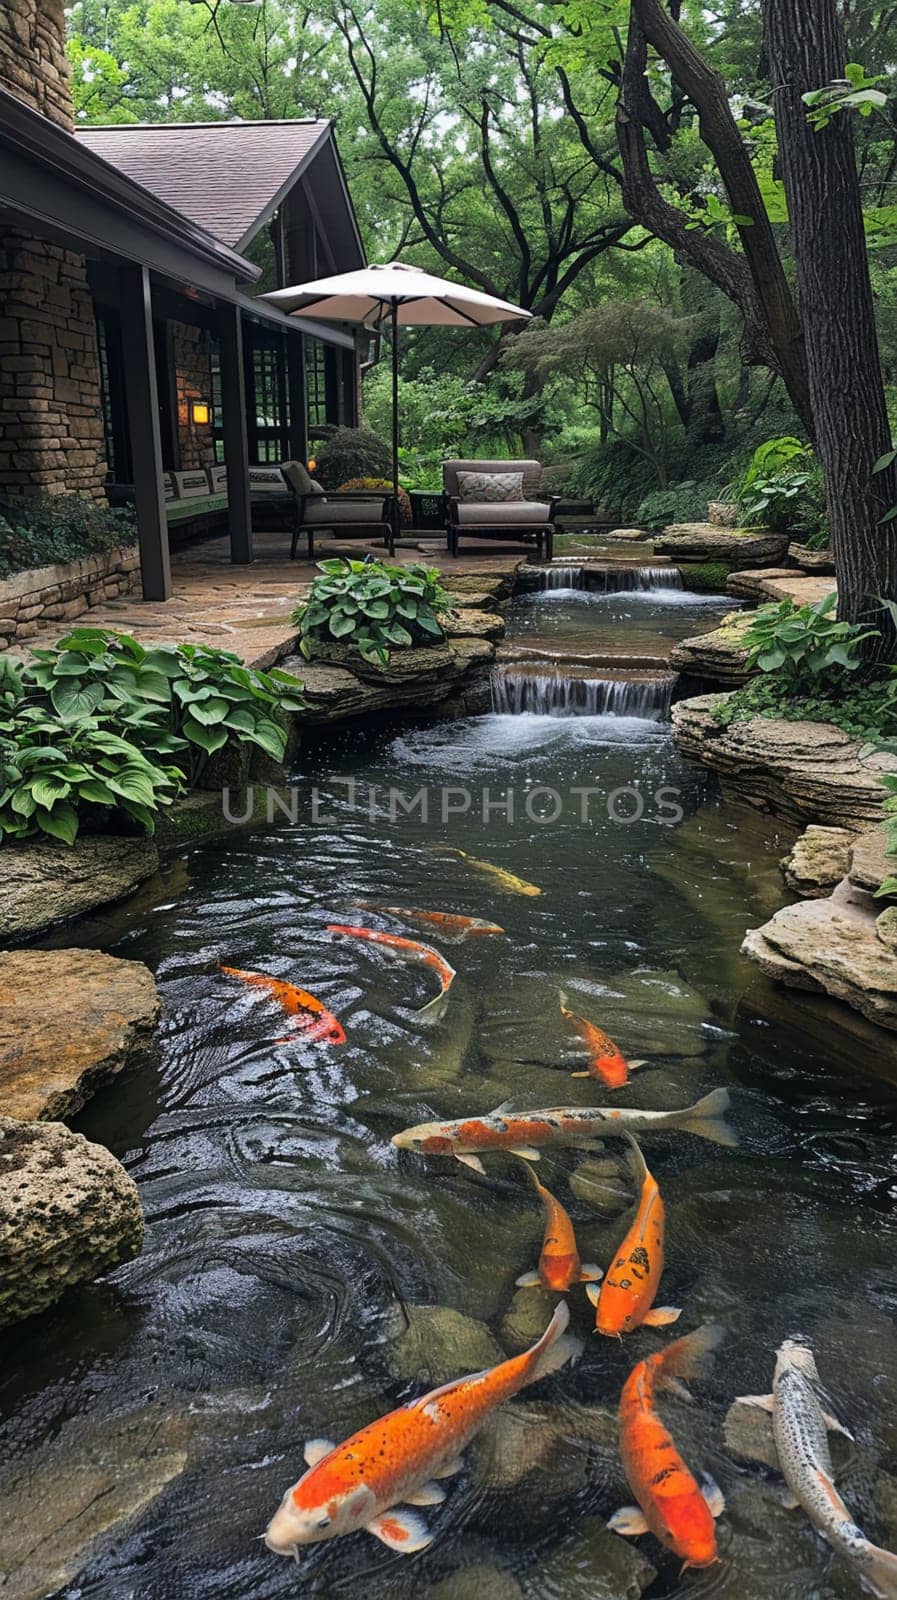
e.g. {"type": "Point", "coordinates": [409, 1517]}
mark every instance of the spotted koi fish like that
{"type": "Point", "coordinates": [559, 1264]}
{"type": "Point", "coordinates": [523, 1133]}
{"type": "Point", "coordinates": [626, 1296]}
{"type": "Point", "coordinates": [451, 928]}
{"type": "Point", "coordinates": [671, 1505]}
{"type": "Point", "coordinates": [800, 1427]}
{"type": "Point", "coordinates": [311, 1015]}
{"type": "Point", "coordinates": [399, 1460]}
{"type": "Point", "coordinates": [606, 1061]}
{"type": "Point", "coordinates": [505, 880]}
{"type": "Point", "coordinates": [421, 955]}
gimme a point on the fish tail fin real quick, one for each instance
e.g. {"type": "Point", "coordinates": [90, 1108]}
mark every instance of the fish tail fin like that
{"type": "Point", "coordinates": [555, 1347]}
{"type": "Point", "coordinates": [879, 1572]}
{"type": "Point", "coordinates": [688, 1357]}
{"type": "Point", "coordinates": [563, 999]}
{"type": "Point", "coordinates": [641, 1165]}
{"type": "Point", "coordinates": [540, 1188]}
{"type": "Point", "coordinates": [708, 1119]}
{"type": "Point", "coordinates": [434, 1010]}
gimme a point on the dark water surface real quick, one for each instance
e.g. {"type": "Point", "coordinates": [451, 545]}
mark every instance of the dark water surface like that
{"type": "Point", "coordinates": [648, 619]}
{"type": "Point", "coordinates": [285, 1233]}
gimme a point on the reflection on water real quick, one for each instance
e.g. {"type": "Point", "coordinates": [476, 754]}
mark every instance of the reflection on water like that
{"type": "Point", "coordinates": [647, 619]}
{"type": "Point", "coordinates": [288, 1242]}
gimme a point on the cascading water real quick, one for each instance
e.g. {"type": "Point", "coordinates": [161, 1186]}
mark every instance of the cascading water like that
{"type": "Point", "coordinates": [553, 578]}
{"type": "Point", "coordinates": [518, 690]}
{"type": "Point", "coordinates": [623, 580]}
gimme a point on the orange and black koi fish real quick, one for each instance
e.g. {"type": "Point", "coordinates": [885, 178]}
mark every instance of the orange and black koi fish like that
{"type": "Point", "coordinates": [421, 955]}
{"type": "Point", "coordinates": [310, 1013]}
{"type": "Point", "coordinates": [452, 928]}
{"type": "Point", "coordinates": [397, 1461]}
{"type": "Point", "coordinates": [606, 1061]}
{"type": "Point", "coordinates": [559, 1264]}
{"type": "Point", "coordinates": [626, 1296]}
{"type": "Point", "coordinates": [671, 1505]}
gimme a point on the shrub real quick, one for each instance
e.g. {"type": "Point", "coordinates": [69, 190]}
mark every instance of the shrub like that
{"type": "Point", "coordinates": [863, 710]}
{"type": "Point", "coordinates": [683, 502]}
{"type": "Point", "coordinates": [783, 490]}
{"type": "Point", "coordinates": [806, 644]}
{"type": "Point", "coordinates": [352, 453]}
{"type": "Point", "coordinates": [182, 702]}
{"type": "Point", "coordinates": [370, 606]}
{"type": "Point", "coordinates": [37, 530]}
{"type": "Point", "coordinates": [384, 484]}
{"type": "Point", "coordinates": [706, 577]}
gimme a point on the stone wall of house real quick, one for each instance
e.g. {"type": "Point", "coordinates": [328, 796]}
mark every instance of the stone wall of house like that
{"type": "Point", "coordinates": [33, 63]}
{"type": "Point", "coordinates": [51, 431]}
{"type": "Point", "coordinates": [193, 380]}
{"type": "Point", "coordinates": [30, 601]}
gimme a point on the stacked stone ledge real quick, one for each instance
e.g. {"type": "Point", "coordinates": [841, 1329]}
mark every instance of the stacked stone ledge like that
{"type": "Point", "coordinates": [61, 594]}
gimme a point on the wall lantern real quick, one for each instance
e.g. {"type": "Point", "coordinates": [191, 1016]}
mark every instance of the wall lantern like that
{"type": "Point", "coordinates": [200, 413]}
{"type": "Point", "coordinates": [312, 463]}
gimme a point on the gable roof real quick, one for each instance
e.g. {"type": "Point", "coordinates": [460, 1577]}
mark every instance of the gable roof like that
{"type": "Point", "coordinates": [228, 177]}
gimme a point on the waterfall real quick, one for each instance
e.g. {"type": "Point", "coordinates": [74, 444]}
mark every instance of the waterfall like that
{"type": "Point", "coordinates": [555, 578]}
{"type": "Point", "coordinates": [517, 690]}
{"type": "Point", "coordinates": [619, 580]}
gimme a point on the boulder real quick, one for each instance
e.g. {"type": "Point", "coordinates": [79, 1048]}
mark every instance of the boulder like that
{"type": "Point", "coordinates": [705, 541]}
{"type": "Point", "coordinates": [886, 928]}
{"type": "Point", "coordinates": [719, 654]}
{"type": "Point", "coordinates": [600, 1182]}
{"type": "Point", "coordinates": [68, 1212]}
{"type": "Point", "coordinates": [722, 513]}
{"type": "Point", "coordinates": [817, 861]}
{"type": "Point", "coordinates": [342, 686]}
{"type": "Point", "coordinates": [475, 625]}
{"type": "Point", "coordinates": [869, 862]}
{"type": "Point", "coordinates": [811, 560]}
{"type": "Point", "coordinates": [499, 584]}
{"type": "Point", "coordinates": [69, 1019]}
{"type": "Point", "coordinates": [433, 1344]}
{"type": "Point", "coordinates": [593, 1564]}
{"type": "Point", "coordinates": [831, 945]}
{"type": "Point", "coordinates": [45, 882]}
{"type": "Point", "coordinates": [808, 771]}
{"type": "Point", "coordinates": [481, 1581]}
{"type": "Point", "coordinates": [548, 1443]}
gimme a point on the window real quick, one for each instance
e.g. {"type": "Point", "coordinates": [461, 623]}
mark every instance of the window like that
{"type": "Point", "coordinates": [316, 383]}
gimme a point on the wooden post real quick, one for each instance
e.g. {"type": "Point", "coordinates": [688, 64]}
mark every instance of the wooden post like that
{"type": "Point", "coordinates": [139, 359]}
{"type": "Point", "coordinates": [236, 447]}
{"type": "Point", "coordinates": [296, 389]}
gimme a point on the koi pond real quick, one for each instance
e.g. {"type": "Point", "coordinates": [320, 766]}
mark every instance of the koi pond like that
{"type": "Point", "coordinates": [302, 1275]}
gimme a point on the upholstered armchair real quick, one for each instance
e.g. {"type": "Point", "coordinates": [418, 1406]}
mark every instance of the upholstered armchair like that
{"type": "Point", "coordinates": [347, 514]}
{"type": "Point", "coordinates": [498, 500]}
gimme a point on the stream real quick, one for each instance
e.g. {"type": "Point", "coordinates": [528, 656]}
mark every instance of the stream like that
{"type": "Point", "coordinates": [290, 1246]}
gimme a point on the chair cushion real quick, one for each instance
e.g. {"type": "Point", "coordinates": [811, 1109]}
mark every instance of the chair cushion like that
{"type": "Point", "coordinates": [326, 513]}
{"type": "Point", "coordinates": [192, 485]}
{"type": "Point", "coordinates": [532, 474]}
{"type": "Point", "coordinates": [482, 486]}
{"type": "Point", "coordinates": [266, 480]}
{"type": "Point", "coordinates": [298, 478]}
{"type": "Point", "coordinates": [218, 478]}
{"type": "Point", "coordinates": [168, 488]}
{"type": "Point", "coordinates": [503, 513]}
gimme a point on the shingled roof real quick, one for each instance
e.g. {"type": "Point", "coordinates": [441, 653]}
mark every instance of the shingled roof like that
{"type": "Point", "coordinates": [228, 177]}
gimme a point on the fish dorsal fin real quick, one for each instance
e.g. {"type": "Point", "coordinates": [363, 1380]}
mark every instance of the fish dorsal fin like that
{"type": "Point", "coordinates": [315, 1451]}
{"type": "Point", "coordinates": [445, 1388]}
{"type": "Point", "coordinates": [505, 1107]}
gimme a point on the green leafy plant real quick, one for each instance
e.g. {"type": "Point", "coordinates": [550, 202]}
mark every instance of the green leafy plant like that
{"type": "Point", "coordinates": [806, 644]}
{"type": "Point", "coordinates": [370, 606]}
{"type": "Point", "coordinates": [37, 530]}
{"type": "Point", "coordinates": [863, 710]}
{"type": "Point", "coordinates": [179, 702]}
{"type": "Point", "coordinates": [853, 92]}
{"type": "Point", "coordinates": [782, 489]}
{"type": "Point", "coordinates": [351, 453]}
{"type": "Point", "coordinates": [384, 485]}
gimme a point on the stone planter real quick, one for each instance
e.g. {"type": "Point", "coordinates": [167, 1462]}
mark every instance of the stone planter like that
{"type": "Point", "coordinates": [722, 513]}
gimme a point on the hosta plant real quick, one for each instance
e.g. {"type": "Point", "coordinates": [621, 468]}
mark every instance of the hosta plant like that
{"type": "Point", "coordinates": [807, 645]}
{"type": "Point", "coordinates": [178, 702]}
{"type": "Point", "coordinates": [371, 607]}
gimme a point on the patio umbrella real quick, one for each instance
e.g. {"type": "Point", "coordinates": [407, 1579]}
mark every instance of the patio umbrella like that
{"type": "Point", "coordinates": [395, 295]}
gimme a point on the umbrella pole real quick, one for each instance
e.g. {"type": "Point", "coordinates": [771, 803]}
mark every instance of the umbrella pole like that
{"type": "Point", "coordinates": [395, 425]}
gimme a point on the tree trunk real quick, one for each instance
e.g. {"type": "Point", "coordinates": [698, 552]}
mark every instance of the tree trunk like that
{"type": "Point", "coordinates": [806, 51]}
{"type": "Point", "coordinates": [706, 424]}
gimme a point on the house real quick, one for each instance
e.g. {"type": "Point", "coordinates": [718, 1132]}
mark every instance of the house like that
{"type": "Point", "coordinates": [131, 346]}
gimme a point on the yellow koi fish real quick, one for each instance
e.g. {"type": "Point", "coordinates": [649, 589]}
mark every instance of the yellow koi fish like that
{"type": "Point", "coordinates": [505, 880]}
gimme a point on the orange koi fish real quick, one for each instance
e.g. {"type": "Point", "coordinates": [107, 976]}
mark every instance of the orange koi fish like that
{"type": "Point", "coordinates": [398, 1460]}
{"type": "Point", "coordinates": [606, 1061]}
{"type": "Point", "coordinates": [670, 1503]}
{"type": "Point", "coordinates": [521, 1133]}
{"type": "Point", "coordinates": [421, 955]}
{"type": "Point", "coordinates": [559, 1264]}
{"type": "Point", "coordinates": [626, 1296]}
{"type": "Point", "coordinates": [451, 928]}
{"type": "Point", "coordinates": [312, 1016]}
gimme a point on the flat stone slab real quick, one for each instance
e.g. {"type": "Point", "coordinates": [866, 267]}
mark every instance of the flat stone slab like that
{"type": "Point", "coordinates": [811, 560]}
{"type": "Point", "coordinates": [706, 541]}
{"type": "Point", "coordinates": [68, 1212]}
{"type": "Point", "coordinates": [831, 945]}
{"type": "Point", "coordinates": [869, 863]}
{"type": "Point", "coordinates": [69, 1019]}
{"type": "Point", "coordinates": [719, 654]}
{"type": "Point", "coordinates": [335, 690]}
{"type": "Point", "coordinates": [817, 861]}
{"type": "Point", "coordinates": [780, 583]}
{"type": "Point", "coordinates": [42, 883]}
{"type": "Point", "coordinates": [809, 771]}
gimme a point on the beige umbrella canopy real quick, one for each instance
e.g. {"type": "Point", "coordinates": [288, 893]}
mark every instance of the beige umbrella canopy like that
{"type": "Point", "coordinates": [399, 296]}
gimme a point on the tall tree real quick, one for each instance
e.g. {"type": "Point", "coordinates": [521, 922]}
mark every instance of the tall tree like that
{"type": "Point", "coordinates": [805, 52]}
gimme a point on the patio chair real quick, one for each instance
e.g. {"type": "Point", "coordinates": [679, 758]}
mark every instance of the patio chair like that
{"type": "Point", "coordinates": [510, 507]}
{"type": "Point", "coordinates": [345, 513]}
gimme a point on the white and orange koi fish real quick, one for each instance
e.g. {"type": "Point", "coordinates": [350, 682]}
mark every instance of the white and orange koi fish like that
{"type": "Point", "coordinates": [420, 955]}
{"type": "Point", "coordinates": [398, 1460]}
{"type": "Point", "coordinates": [451, 926]}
